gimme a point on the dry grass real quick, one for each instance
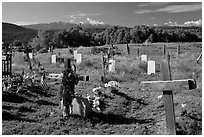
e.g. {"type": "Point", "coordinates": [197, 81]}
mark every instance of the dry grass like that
{"type": "Point", "coordinates": [129, 111]}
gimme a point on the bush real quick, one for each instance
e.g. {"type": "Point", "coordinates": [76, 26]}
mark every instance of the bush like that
{"type": "Point", "coordinates": [43, 50]}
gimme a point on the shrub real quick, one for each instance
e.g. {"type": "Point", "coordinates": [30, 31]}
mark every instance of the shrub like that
{"type": "Point", "coordinates": [43, 50]}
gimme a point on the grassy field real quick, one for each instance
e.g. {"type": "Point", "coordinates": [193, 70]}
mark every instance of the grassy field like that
{"type": "Point", "coordinates": [130, 111]}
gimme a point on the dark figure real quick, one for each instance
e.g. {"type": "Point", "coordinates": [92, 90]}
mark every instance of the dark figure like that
{"type": "Point", "coordinates": [69, 80]}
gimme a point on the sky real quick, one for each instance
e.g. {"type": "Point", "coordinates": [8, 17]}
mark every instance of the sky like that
{"type": "Point", "coordinates": [121, 13]}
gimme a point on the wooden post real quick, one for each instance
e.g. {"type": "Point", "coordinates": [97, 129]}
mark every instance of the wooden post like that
{"type": "Point", "coordinates": [51, 51]}
{"type": "Point", "coordinates": [103, 77]}
{"type": "Point", "coordinates": [164, 50]}
{"type": "Point", "coordinates": [138, 52]}
{"type": "Point", "coordinates": [178, 50]}
{"type": "Point", "coordinates": [128, 49]}
{"type": "Point", "coordinates": [28, 58]}
{"type": "Point", "coordinates": [200, 56]}
{"type": "Point", "coordinates": [168, 97]}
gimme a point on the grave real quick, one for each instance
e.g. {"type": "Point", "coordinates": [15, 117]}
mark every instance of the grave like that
{"type": "Point", "coordinates": [144, 58]}
{"type": "Point", "coordinates": [54, 59]}
{"type": "Point", "coordinates": [111, 66]}
{"type": "Point", "coordinates": [78, 58]}
{"type": "Point", "coordinates": [81, 106]}
{"type": "Point", "coordinates": [75, 54]}
{"type": "Point", "coordinates": [150, 67]}
{"type": "Point", "coordinates": [30, 55]}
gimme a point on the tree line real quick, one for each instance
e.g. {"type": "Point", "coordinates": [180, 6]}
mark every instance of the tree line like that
{"type": "Point", "coordinates": [77, 36]}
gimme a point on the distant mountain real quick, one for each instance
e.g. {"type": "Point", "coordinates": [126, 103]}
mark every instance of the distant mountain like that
{"type": "Point", "coordinates": [65, 25]}
{"type": "Point", "coordinates": [11, 32]}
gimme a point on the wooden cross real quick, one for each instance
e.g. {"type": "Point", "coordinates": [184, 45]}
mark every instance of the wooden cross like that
{"type": "Point", "coordinates": [167, 85]}
{"type": "Point", "coordinates": [67, 64]}
{"type": "Point", "coordinates": [104, 63]}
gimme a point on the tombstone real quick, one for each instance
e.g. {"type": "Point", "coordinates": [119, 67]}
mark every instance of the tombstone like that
{"type": "Point", "coordinates": [75, 54]}
{"type": "Point", "coordinates": [111, 66]}
{"type": "Point", "coordinates": [30, 55]}
{"type": "Point", "coordinates": [144, 58]}
{"type": "Point", "coordinates": [78, 58]}
{"type": "Point", "coordinates": [80, 106]}
{"type": "Point", "coordinates": [151, 67]}
{"type": "Point", "coordinates": [54, 59]}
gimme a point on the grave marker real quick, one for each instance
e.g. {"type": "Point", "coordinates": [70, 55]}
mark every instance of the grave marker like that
{"type": "Point", "coordinates": [78, 58]}
{"type": "Point", "coordinates": [75, 54]}
{"type": "Point", "coordinates": [151, 67]}
{"type": "Point", "coordinates": [111, 66]}
{"type": "Point", "coordinates": [54, 58]}
{"type": "Point", "coordinates": [30, 55]}
{"type": "Point", "coordinates": [144, 58]}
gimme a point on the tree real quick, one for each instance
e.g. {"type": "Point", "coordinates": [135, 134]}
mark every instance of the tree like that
{"type": "Point", "coordinates": [17, 43]}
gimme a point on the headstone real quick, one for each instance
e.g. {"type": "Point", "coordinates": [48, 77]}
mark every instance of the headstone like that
{"type": "Point", "coordinates": [144, 58]}
{"type": "Point", "coordinates": [79, 58]}
{"type": "Point", "coordinates": [151, 67]}
{"type": "Point", "coordinates": [81, 106]}
{"type": "Point", "coordinates": [75, 54]}
{"type": "Point", "coordinates": [3, 57]}
{"type": "Point", "coordinates": [30, 55]}
{"type": "Point", "coordinates": [111, 66]}
{"type": "Point", "coordinates": [54, 58]}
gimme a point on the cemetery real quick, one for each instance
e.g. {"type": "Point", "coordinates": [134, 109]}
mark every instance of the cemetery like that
{"type": "Point", "coordinates": [152, 89]}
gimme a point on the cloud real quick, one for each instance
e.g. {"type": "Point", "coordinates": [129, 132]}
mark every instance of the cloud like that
{"type": "Point", "coordinates": [24, 23]}
{"type": "Point", "coordinates": [172, 9]}
{"type": "Point", "coordinates": [193, 23]}
{"type": "Point", "coordinates": [94, 22]}
{"type": "Point", "coordinates": [142, 11]}
{"type": "Point", "coordinates": [171, 23]}
{"type": "Point", "coordinates": [78, 15]}
{"type": "Point", "coordinates": [187, 23]}
{"type": "Point", "coordinates": [180, 8]}
{"type": "Point", "coordinates": [71, 21]}
{"type": "Point", "coordinates": [152, 4]}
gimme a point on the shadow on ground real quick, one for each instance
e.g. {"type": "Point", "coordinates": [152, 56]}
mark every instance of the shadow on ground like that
{"type": "Point", "coordinates": [38, 90]}
{"type": "Point", "coordinates": [13, 97]}
{"type": "Point", "coordinates": [117, 119]}
{"type": "Point", "coordinates": [9, 117]}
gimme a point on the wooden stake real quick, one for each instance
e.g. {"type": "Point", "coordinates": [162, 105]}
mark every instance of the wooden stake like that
{"type": "Point", "coordinates": [138, 52]}
{"type": "Point", "coordinates": [103, 77]}
{"type": "Point", "coordinates": [128, 49]}
{"type": "Point", "coordinates": [178, 50]}
{"type": "Point", "coordinates": [164, 50]}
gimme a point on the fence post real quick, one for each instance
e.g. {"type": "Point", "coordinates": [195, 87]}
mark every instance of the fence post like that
{"type": "Point", "coordinates": [128, 49]}
{"type": "Point", "coordinates": [164, 50]}
{"type": "Point", "coordinates": [103, 77]}
{"type": "Point", "coordinates": [178, 50]}
{"type": "Point", "coordinates": [138, 52]}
